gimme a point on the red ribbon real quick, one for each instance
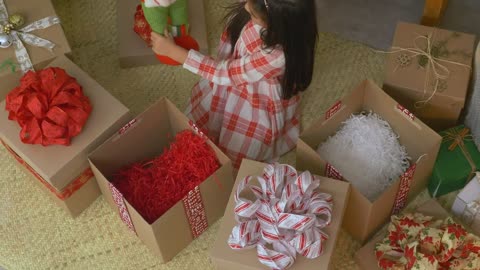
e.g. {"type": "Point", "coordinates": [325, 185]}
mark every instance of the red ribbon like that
{"type": "Point", "coordinates": [49, 106]}
{"type": "Point", "coordinates": [64, 194]}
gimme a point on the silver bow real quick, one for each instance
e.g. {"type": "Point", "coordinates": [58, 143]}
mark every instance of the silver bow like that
{"type": "Point", "coordinates": [23, 35]}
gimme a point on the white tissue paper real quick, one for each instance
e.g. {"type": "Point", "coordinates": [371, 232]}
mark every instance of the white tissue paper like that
{"type": "Point", "coordinates": [367, 153]}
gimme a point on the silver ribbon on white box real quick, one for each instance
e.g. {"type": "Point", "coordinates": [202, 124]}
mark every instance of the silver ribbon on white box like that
{"type": "Point", "coordinates": [24, 35]}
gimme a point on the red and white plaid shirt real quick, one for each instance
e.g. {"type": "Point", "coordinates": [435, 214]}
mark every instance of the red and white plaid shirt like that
{"type": "Point", "coordinates": [239, 100]}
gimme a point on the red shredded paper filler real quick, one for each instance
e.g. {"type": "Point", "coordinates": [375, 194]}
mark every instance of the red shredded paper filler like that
{"type": "Point", "coordinates": [154, 186]}
{"type": "Point", "coordinates": [50, 107]}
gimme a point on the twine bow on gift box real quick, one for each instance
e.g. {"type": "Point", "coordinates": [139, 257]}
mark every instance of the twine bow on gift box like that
{"type": "Point", "coordinates": [13, 34]}
{"type": "Point", "coordinates": [457, 137]}
{"type": "Point", "coordinates": [288, 215]}
{"type": "Point", "coordinates": [429, 58]}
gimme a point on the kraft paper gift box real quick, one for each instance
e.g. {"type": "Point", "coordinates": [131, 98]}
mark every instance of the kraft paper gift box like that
{"type": "Point", "coordinates": [365, 257]}
{"type": "Point", "coordinates": [134, 52]}
{"type": "Point", "coordinates": [457, 161]}
{"type": "Point", "coordinates": [225, 258]}
{"type": "Point", "coordinates": [64, 171]}
{"type": "Point", "coordinates": [467, 204]}
{"type": "Point", "coordinates": [145, 137]}
{"type": "Point", "coordinates": [363, 217]}
{"type": "Point", "coordinates": [32, 11]}
{"type": "Point", "coordinates": [410, 77]}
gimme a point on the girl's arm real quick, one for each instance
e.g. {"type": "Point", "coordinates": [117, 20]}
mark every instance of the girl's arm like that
{"type": "Point", "coordinates": [264, 64]}
{"type": "Point", "coordinates": [248, 69]}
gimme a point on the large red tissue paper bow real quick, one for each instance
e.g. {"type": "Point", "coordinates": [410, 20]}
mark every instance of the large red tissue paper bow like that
{"type": "Point", "coordinates": [288, 216]}
{"type": "Point", "coordinates": [49, 106]}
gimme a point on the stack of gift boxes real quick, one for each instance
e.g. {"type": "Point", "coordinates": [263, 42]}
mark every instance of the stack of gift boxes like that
{"type": "Point", "coordinates": [275, 217]}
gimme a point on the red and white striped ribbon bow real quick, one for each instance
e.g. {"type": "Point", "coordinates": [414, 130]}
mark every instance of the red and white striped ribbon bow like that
{"type": "Point", "coordinates": [286, 218]}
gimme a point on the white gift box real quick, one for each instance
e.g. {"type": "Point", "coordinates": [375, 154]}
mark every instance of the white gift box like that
{"type": "Point", "coordinates": [473, 112]}
{"type": "Point", "coordinates": [467, 204]}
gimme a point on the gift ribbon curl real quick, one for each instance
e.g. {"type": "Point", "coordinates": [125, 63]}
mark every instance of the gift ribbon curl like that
{"type": "Point", "coordinates": [49, 106]}
{"type": "Point", "coordinates": [23, 35]}
{"type": "Point", "coordinates": [287, 215]}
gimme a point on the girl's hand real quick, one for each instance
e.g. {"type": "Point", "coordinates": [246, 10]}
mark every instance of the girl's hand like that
{"type": "Point", "coordinates": [163, 45]}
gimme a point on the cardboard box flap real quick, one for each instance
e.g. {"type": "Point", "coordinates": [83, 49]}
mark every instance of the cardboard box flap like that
{"type": "Point", "coordinates": [112, 151]}
{"type": "Point", "coordinates": [402, 122]}
{"type": "Point", "coordinates": [369, 97]}
{"type": "Point", "coordinates": [365, 257]}
{"type": "Point", "coordinates": [33, 11]}
{"type": "Point", "coordinates": [71, 160]}
{"type": "Point", "coordinates": [458, 47]}
{"type": "Point", "coordinates": [226, 258]}
{"type": "Point", "coordinates": [320, 130]}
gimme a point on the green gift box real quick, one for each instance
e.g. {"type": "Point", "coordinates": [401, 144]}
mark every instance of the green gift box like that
{"type": "Point", "coordinates": [457, 161]}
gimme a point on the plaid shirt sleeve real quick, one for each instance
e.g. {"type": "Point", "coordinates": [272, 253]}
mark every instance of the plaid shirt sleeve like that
{"type": "Point", "coordinates": [264, 64]}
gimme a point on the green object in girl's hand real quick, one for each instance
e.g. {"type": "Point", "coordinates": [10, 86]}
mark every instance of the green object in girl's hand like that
{"type": "Point", "coordinates": [457, 161]}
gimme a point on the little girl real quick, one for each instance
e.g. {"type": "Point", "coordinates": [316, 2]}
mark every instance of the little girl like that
{"type": "Point", "coordinates": [248, 99]}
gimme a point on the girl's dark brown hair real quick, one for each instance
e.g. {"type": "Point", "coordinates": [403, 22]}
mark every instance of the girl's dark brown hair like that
{"type": "Point", "coordinates": [290, 24]}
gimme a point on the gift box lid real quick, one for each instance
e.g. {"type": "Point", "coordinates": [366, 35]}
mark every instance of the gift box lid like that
{"type": "Point", "coordinates": [226, 258]}
{"type": "Point", "coordinates": [58, 164]}
{"type": "Point", "coordinates": [449, 47]}
{"type": "Point", "coordinates": [33, 11]}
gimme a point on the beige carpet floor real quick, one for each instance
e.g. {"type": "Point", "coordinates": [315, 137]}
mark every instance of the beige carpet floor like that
{"type": "Point", "coordinates": [36, 234]}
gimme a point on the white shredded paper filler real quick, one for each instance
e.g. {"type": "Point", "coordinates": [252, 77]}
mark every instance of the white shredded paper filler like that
{"type": "Point", "coordinates": [366, 151]}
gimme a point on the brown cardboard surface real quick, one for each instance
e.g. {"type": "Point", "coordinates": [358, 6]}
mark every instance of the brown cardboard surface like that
{"type": "Point", "coordinates": [33, 11]}
{"type": "Point", "coordinates": [133, 51]}
{"type": "Point", "coordinates": [78, 201]}
{"type": "Point", "coordinates": [365, 257]}
{"type": "Point", "coordinates": [107, 116]}
{"type": "Point", "coordinates": [407, 84]}
{"type": "Point", "coordinates": [146, 137]}
{"type": "Point", "coordinates": [362, 217]}
{"type": "Point", "coordinates": [227, 259]}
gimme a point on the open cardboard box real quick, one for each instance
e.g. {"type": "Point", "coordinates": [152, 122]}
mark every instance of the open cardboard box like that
{"type": "Point", "coordinates": [134, 52]}
{"type": "Point", "coordinates": [364, 217]}
{"type": "Point", "coordinates": [365, 257]}
{"type": "Point", "coordinates": [64, 171]}
{"type": "Point", "coordinates": [146, 137]}
{"type": "Point", "coordinates": [226, 258]}
{"type": "Point", "coordinates": [33, 11]}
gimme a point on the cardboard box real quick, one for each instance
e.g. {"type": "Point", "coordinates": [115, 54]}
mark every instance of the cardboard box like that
{"type": "Point", "coordinates": [467, 202]}
{"type": "Point", "coordinates": [364, 217]}
{"type": "Point", "coordinates": [146, 137]}
{"type": "Point", "coordinates": [406, 81]}
{"type": "Point", "coordinates": [226, 258]}
{"type": "Point", "coordinates": [33, 11]}
{"type": "Point", "coordinates": [134, 52]}
{"type": "Point", "coordinates": [365, 257]}
{"type": "Point", "coordinates": [64, 170]}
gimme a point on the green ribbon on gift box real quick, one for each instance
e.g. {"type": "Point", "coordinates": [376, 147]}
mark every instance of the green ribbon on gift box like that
{"type": "Point", "coordinates": [457, 162]}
